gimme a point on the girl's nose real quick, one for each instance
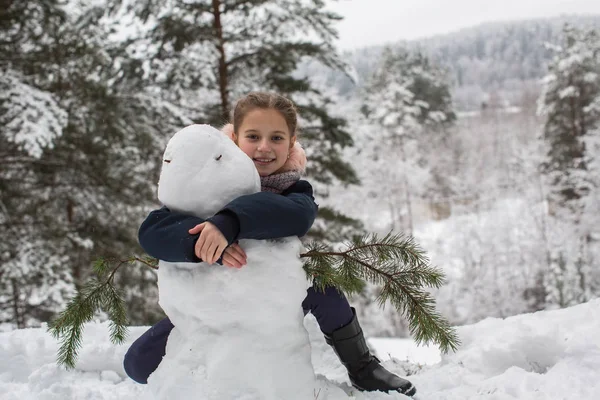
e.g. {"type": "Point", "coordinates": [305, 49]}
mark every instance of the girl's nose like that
{"type": "Point", "coordinates": [263, 145]}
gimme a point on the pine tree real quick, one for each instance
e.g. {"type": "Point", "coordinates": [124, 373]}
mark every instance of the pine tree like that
{"type": "Point", "coordinates": [31, 279]}
{"type": "Point", "coordinates": [240, 46]}
{"type": "Point", "coordinates": [409, 98]}
{"type": "Point", "coordinates": [569, 103]}
{"type": "Point", "coordinates": [209, 53]}
{"type": "Point", "coordinates": [81, 139]}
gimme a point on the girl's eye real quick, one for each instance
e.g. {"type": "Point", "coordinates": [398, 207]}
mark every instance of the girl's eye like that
{"type": "Point", "coordinates": [277, 138]}
{"type": "Point", "coordinates": [252, 137]}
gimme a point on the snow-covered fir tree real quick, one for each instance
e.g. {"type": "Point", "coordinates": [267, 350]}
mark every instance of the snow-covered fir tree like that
{"type": "Point", "coordinates": [409, 100]}
{"type": "Point", "coordinates": [206, 54]}
{"type": "Point", "coordinates": [570, 104]}
{"type": "Point", "coordinates": [80, 143]}
{"type": "Point", "coordinates": [32, 283]}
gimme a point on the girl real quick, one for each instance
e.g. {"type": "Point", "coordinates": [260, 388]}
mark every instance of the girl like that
{"type": "Point", "coordinates": [264, 127]}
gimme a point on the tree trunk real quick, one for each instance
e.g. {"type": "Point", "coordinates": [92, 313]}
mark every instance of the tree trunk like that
{"type": "Point", "coordinates": [223, 76]}
{"type": "Point", "coordinates": [76, 266]}
{"type": "Point", "coordinates": [406, 188]}
{"type": "Point", "coordinates": [19, 320]}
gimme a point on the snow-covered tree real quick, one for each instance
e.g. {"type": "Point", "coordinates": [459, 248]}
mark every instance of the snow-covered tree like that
{"type": "Point", "coordinates": [409, 100]}
{"type": "Point", "coordinates": [31, 281]}
{"type": "Point", "coordinates": [570, 104]}
{"type": "Point", "coordinates": [205, 54]}
{"type": "Point", "coordinates": [81, 140]}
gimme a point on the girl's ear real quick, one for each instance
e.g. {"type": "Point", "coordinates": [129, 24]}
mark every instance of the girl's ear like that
{"type": "Point", "coordinates": [296, 160]}
{"type": "Point", "coordinates": [292, 141]}
{"type": "Point", "coordinates": [228, 130]}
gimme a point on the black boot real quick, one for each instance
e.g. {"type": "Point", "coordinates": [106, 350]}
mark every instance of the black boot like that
{"type": "Point", "coordinates": [366, 374]}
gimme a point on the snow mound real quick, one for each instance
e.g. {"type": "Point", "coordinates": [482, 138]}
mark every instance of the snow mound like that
{"type": "Point", "coordinates": [29, 371]}
{"type": "Point", "coordinates": [548, 355]}
{"type": "Point", "coordinates": [544, 355]}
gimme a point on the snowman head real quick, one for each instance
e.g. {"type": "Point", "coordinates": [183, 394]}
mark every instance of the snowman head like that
{"type": "Point", "coordinates": [203, 170]}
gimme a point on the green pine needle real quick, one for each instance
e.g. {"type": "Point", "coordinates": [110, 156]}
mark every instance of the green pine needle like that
{"type": "Point", "coordinates": [100, 267]}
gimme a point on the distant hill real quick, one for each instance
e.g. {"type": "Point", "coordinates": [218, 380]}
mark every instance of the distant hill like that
{"type": "Point", "coordinates": [493, 59]}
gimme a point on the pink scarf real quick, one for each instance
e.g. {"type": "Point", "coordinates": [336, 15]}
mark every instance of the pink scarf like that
{"type": "Point", "coordinates": [278, 183]}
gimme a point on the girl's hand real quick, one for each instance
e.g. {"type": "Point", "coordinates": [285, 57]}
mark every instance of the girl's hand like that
{"type": "Point", "coordinates": [234, 256]}
{"type": "Point", "coordinates": [210, 244]}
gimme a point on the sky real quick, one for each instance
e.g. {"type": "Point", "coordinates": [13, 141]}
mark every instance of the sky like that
{"type": "Point", "coordinates": [369, 22]}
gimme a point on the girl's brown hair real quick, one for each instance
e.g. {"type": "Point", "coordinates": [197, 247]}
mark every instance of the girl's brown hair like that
{"type": "Point", "coordinates": [265, 101]}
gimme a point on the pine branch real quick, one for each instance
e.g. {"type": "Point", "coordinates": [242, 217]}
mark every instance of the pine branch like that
{"type": "Point", "coordinates": [99, 294]}
{"type": "Point", "coordinates": [402, 269]}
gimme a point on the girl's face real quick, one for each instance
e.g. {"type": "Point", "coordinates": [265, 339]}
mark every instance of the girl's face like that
{"type": "Point", "coordinates": [265, 137]}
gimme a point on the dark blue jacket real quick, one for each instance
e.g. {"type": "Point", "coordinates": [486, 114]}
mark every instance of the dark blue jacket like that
{"type": "Point", "coordinates": [264, 215]}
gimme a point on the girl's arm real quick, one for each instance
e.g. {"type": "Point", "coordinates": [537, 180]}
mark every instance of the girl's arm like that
{"type": "Point", "coordinates": [268, 215]}
{"type": "Point", "coordinates": [164, 233]}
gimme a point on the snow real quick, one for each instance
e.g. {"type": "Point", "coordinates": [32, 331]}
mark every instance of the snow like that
{"type": "Point", "coordinates": [29, 371]}
{"type": "Point", "coordinates": [405, 349]}
{"type": "Point", "coordinates": [546, 355]}
{"type": "Point", "coordinates": [570, 91]}
{"type": "Point", "coordinates": [34, 119]}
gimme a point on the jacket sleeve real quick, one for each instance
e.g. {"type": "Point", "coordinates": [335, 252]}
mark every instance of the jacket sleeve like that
{"type": "Point", "coordinates": [164, 235]}
{"type": "Point", "coordinates": [266, 215]}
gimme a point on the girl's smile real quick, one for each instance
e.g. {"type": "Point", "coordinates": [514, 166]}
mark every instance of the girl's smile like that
{"type": "Point", "coordinates": [263, 161]}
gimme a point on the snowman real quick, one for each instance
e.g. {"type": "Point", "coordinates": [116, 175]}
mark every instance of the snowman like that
{"type": "Point", "coordinates": [238, 332]}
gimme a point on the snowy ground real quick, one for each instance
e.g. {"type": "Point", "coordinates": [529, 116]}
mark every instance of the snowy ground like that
{"type": "Point", "coordinates": [547, 355]}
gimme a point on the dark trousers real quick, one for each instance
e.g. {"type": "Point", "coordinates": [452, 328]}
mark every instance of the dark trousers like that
{"type": "Point", "coordinates": [330, 308]}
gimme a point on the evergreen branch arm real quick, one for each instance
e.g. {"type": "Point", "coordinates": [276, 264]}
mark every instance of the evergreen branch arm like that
{"type": "Point", "coordinates": [69, 325]}
{"type": "Point", "coordinates": [400, 267]}
{"type": "Point", "coordinates": [99, 293]}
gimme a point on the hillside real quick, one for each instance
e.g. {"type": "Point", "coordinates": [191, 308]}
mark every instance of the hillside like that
{"type": "Point", "coordinates": [498, 58]}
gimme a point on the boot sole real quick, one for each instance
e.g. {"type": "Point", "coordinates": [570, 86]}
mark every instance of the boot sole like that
{"type": "Point", "coordinates": [410, 392]}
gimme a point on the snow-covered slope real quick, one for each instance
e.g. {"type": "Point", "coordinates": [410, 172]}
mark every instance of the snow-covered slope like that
{"type": "Point", "coordinates": [547, 355]}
